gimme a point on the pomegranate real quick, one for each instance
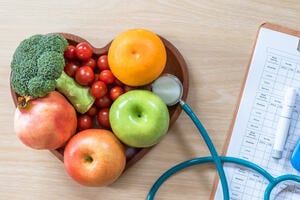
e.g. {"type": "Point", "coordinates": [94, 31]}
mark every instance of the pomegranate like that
{"type": "Point", "coordinates": [45, 123]}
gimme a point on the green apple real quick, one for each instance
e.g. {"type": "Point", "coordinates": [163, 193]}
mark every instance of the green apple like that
{"type": "Point", "coordinates": [139, 118]}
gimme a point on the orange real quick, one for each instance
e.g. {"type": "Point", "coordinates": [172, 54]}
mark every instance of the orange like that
{"type": "Point", "coordinates": [137, 57]}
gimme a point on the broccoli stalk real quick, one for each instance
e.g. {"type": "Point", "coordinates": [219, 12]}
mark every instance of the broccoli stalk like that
{"type": "Point", "coordinates": [78, 95]}
{"type": "Point", "coordinates": [37, 69]}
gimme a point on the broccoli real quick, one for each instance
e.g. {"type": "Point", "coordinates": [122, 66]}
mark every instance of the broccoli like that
{"type": "Point", "coordinates": [37, 69]}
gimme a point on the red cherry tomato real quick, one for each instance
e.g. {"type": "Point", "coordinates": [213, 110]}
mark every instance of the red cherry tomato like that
{"type": "Point", "coordinates": [115, 92]}
{"type": "Point", "coordinates": [107, 76]}
{"type": "Point", "coordinates": [102, 62]}
{"type": "Point", "coordinates": [83, 51]}
{"type": "Point", "coordinates": [103, 117]}
{"type": "Point", "coordinates": [84, 75]}
{"type": "Point", "coordinates": [90, 62]}
{"type": "Point", "coordinates": [70, 53]}
{"type": "Point", "coordinates": [103, 102]}
{"type": "Point", "coordinates": [98, 89]}
{"type": "Point", "coordinates": [92, 111]}
{"type": "Point", "coordinates": [71, 68]}
{"type": "Point", "coordinates": [84, 122]}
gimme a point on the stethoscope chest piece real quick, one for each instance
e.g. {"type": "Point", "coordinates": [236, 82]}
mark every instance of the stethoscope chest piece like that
{"type": "Point", "coordinates": [169, 88]}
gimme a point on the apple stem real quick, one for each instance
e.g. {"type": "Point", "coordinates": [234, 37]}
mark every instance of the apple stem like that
{"type": "Point", "coordinates": [88, 159]}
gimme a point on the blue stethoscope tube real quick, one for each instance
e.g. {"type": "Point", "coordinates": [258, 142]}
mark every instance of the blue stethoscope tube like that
{"type": "Point", "coordinates": [217, 160]}
{"type": "Point", "coordinates": [210, 146]}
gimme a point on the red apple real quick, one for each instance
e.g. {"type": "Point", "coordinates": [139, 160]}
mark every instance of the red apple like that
{"type": "Point", "coordinates": [94, 157]}
{"type": "Point", "coordinates": [45, 123]}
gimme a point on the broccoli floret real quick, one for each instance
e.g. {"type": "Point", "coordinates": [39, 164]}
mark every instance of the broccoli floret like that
{"type": "Point", "coordinates": [37, 69]}
{"type": "Point", "coordinates": [54, 42]}
{"type": "Point", "coordinates": [50, 65]}
{"type": "Point", "coordinates": [19, 79]}
{"type": "Point", "coordinates": [38, 55]}
{"type": "Point", "coordinates": [20, 76]}
{"type": "Point", "coordinates": [39, 86]}
{"type": "Point", "coordinates": [28, 51]}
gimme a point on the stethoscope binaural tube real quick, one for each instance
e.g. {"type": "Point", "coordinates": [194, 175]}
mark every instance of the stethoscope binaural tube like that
{"type": "Point", "coordinates": [169, 88]}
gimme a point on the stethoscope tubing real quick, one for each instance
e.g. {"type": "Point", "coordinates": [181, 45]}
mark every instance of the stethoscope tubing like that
{"type": "Point", "coordinates": [218, 161]}
{"type": "Point", "coordinates": [225, 159]}
{"type": "Point", "coordinates": [216, 158]}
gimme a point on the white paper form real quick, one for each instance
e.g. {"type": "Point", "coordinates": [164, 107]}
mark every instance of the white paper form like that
{"type": "Point", "coordinates": [275, 65]}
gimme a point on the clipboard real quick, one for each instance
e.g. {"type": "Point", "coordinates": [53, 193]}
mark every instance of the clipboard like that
{"type": "Point", "coordinates": [293, 58]}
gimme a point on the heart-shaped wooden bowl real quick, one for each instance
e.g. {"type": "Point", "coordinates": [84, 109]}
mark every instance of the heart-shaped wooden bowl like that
{"type": "Point", "coordinates": [175, 65]}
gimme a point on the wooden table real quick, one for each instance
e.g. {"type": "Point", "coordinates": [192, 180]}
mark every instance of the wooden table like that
{"type": "Point", "coordinates": [215, 38]}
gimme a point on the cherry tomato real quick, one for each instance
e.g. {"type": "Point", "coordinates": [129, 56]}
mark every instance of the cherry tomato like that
{"type": "Point", "coordinates": [71, 67]}
{"type": "Point", "coordinates": [92, 111]}
{"type": "Point", "coordinates": [83, 51]}
{"type": "Point", "coordinates": [115, 92]}
{"type": "Point", "coordinates": [98, 89]}
{"type": "Point", "coordinates": [102, 62]}
{"type": "Point", "coordinates": [103, 117]}
{"type": "Point", "coordinates": [70, 53]}
{"type": "Point", "coordinates": [107, 76]}
{"type": "Point", "coordinates": [90, 62]}
{"type": "Point", "coordinates": [103, 102]}
{"type": "Point", "coordinates": [84, 75]}
{"type": "Point", "coordinates": [84, 122]}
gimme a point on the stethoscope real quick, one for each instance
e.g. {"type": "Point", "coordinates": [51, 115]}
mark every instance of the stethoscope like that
{"type": "Point", "coordinates": [170, 89]}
